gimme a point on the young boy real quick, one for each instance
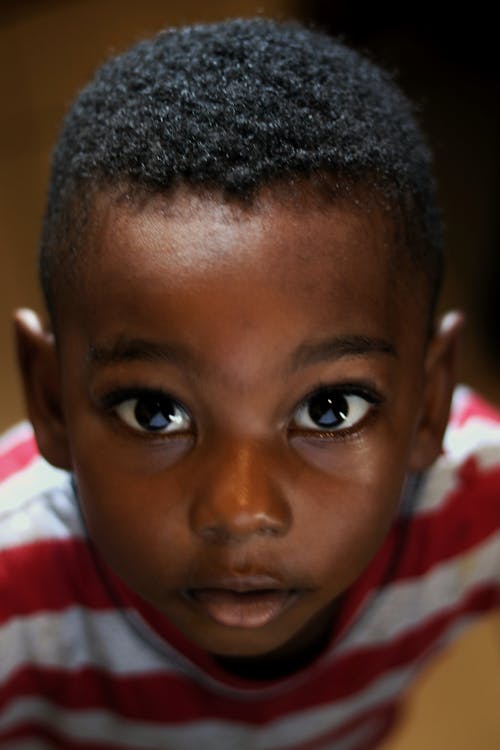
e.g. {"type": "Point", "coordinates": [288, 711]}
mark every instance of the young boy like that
{"type": "Point", "coordinates": [242, 529]}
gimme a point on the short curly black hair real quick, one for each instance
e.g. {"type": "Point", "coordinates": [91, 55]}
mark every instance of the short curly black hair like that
{"type": "Point", "coordinates": [234, 107]}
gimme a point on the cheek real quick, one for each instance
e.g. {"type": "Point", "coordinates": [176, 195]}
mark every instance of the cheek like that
{"type": "Point", "coordinates": [136, 525]}
{"type": "Point", "coordinates": [127, 496]}
{"type": "Point", "coordinates": [345, 512]}
{"type": "Point", "coordinates": [340, 545]}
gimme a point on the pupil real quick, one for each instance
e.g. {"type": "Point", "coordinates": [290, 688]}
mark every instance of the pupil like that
{"type": "Point", "coordinates": [328, 409]}
{"type": "Point", "coordinates": [153, 413]}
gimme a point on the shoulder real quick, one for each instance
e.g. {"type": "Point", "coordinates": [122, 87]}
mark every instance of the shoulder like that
{"type": "Point", "coordinates": [473, 429]}
{"type": "Point", "coordinates": [44, 561]}
{"type": "Point", "coordinates": [39, 519]}
{"type": "Point", "coordinates": [457, 510]}
{"type": "Point", "coordinates": [471, 451]}
{"type": "Point", "coordinates": [470, 459]}
{"type": "Point", "coordinates": [36, 500]}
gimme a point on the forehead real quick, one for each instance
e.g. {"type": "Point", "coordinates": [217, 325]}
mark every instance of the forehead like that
{"type": "Point", "coordinates": [288, 259]}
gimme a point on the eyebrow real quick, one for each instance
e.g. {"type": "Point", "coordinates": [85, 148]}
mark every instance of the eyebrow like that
{"type": "Point", "coordinates": [124, 349]}
{"type": "Point", "coordinates": [337, 348]}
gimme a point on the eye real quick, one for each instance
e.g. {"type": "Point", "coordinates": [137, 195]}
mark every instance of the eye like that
{"type": "Point", "coordinates": [331, 410]}
{"type": "Point", "coordinates": [153, 412]}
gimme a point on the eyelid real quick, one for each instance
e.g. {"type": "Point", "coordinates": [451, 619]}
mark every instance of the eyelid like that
{"type": "Point", "coordinates": [365, 389]}
{"type": "Point", "coordinates": [114, 396]}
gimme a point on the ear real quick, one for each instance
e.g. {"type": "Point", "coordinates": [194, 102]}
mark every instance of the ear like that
{"type": "Point", "coordinates": [440, 379]}
{"type": "Point", "coordinates": [37, 359]}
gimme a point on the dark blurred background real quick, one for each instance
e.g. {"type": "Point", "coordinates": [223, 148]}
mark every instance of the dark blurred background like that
{"type": "Point", "coordinates": [445, 58]}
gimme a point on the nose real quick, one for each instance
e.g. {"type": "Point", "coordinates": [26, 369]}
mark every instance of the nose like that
{"type": "Point", "coordinates": [237, 498]}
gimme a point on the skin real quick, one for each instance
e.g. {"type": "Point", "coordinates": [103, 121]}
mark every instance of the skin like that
{"type": "Point", "coordinates": [245, 524]}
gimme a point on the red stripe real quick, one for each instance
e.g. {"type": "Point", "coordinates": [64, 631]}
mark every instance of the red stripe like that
{"type": "Point", "coordinates": [464, 520]}
{"type": "Point", "coordinates": [170, 698]}
{"type": "Point", "coordinates": [56, 574]}
{"type": "Point", "coordinates": [17, 457]}
{"type": "Point", "coordinates": [473, 407]}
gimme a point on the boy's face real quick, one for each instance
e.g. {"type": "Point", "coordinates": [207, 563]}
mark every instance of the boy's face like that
{"type": "Point", "coordinates": [243, 393]}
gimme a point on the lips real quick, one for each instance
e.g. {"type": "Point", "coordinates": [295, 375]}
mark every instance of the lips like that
{"type": "Point", "coordinates": [243, 602]}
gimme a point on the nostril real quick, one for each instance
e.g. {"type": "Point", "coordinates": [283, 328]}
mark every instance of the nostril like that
{"type": "Point", "coordinates": [215, 534]}
{"type": "Point", "coordinates": [268, 531]}
{"type": "Point", "coordinates": [269, 526]}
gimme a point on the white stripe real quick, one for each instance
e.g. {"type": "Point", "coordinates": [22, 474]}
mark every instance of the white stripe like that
{"type": "Point", "coordinates": [50, 514]}
{"type": "Point", "coordinates": [437, 484]}
{"type": "Point", "coordinates": [34, 479]}
{"type": "Point", "coordinates": [462, 395]}
{"type": "Point", "coordinates": [478, 436]}
{"type": "Point", "coordinates": [77, 638]}
{"type": "Point", "coordinates": [408, 605]}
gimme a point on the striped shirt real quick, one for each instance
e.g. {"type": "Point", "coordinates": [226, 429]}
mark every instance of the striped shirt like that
{"type": "Point", "coordinates": [84, 663]}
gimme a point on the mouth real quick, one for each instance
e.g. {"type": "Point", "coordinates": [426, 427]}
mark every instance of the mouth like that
{"type": "Point", "coordinates": [243, 602]}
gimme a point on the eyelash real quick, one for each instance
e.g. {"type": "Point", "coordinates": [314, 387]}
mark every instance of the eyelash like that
{"type": "Point", "coordinates": [111, 401]}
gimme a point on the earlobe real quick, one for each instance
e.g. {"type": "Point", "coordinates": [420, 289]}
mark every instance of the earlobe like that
{"type": "Point", "coordinates": [39, 370]}
{"type": "Point", "coordinates": [440, 380]}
